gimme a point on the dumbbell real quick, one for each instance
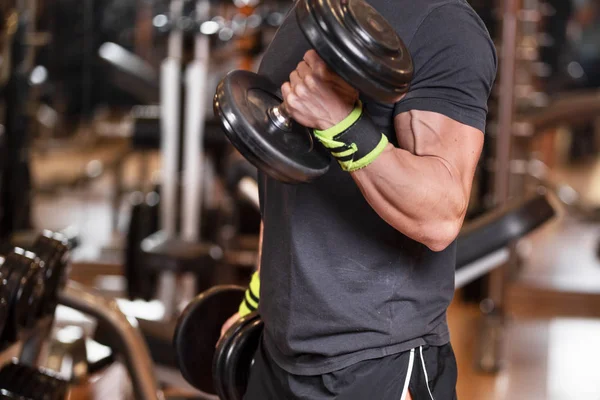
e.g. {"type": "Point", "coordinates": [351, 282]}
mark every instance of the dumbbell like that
{"type": "Point", "coordinates": [234, 357]}
{"type": "Point", "coordinates": [24, 382]}
{"type": "Point", "coordinates": [198, 330]}
{"type": "Point", "coordinates": [357, 43]}
{"type": "Point", "coordinates": [53, 249]}
{"type": "Point", "coordinates": [221, 370]}
{"type": "Point", "coordinates": [23, 288]}
{"type": "Point", "coordinates": [4, 296]}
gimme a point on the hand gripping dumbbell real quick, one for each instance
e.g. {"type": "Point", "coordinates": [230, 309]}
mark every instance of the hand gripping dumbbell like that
{"type": "Point", "coordinates": [357, 43]}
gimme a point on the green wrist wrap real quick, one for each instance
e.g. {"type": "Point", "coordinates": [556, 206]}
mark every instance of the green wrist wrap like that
{"type": "Point", "coordinates": [251, 297]}
{"type": "Point", "coordinates": [355, 142]}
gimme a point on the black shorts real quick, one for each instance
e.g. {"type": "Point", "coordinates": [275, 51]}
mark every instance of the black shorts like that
{"type": "Point", "coordinates": [429, 373]}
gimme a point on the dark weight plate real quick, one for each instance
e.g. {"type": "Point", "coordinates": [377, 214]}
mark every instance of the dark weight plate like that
{"type": "Point", "coordinates": [4, 310]}
{"type": "Point", "coordinates": [235, 357]}
{"type": "Point", "coordinates": [359, 44]}
{"type": "Point", "coordinates": [15, 266]}
{"type": "Point", "coordinates": [4, 295]}
{"type": "Point", "coordinates": [241, 102]}
{"type": "Point", "coordinates": [198, 330]}
{"type": "Point", "coordinates": [53, 250]}
{"type": "Point", "coordinates": [29, 295]}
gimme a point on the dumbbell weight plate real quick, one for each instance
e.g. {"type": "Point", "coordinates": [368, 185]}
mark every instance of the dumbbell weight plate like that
{"type": "Point", "coordinates": [52, 248]}
{"type": "Point", "coordinates": [241, 101]}
{"type": "Point", "coordinates": [4, 295]}
{"type": "Point", "coordinates": [359, 45]}
{"type": "Point", "coordinates": [15, 267]}
{"type": "Point", "coordinates": [234, 357]}
{"type": "Point", "coordinates": [29, 295]}
{"type": "Point", "coordinates": [198, 330]}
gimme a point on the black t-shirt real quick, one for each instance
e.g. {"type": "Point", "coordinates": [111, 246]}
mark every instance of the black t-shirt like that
{"type": "Point", "coordinates": [338, 284]}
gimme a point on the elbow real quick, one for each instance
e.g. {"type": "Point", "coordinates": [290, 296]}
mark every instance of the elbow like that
{"type": "Point", "coordinates": [441, 235]}
{"type": "Point", "coordinates": [443, 231]}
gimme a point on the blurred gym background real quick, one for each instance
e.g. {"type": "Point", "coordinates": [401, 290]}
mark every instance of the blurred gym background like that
{"type": "Point", "coordinates": [80, 154]}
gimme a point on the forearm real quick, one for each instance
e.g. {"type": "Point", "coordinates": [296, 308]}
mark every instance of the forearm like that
{"type": "Point", "coordinates": [420, 196]}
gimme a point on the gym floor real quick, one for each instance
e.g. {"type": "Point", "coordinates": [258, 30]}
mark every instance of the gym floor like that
{"type": "Point", "coordinates": [554, 304]}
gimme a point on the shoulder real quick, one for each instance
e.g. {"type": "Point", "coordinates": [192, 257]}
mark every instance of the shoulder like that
{"type": "Point", "coordinates": [408, 16]}
{"type": "Point", "coordinates": [451, 23]}
{"type": "Point", "coordinates": [452, 37]}
{"type": "Point", "coordinates": [455, 64]}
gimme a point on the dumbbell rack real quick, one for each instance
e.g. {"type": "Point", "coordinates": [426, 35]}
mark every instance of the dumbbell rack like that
{"type": "Point", "coordinates": [25, 350]}
{"type": "Point", "coordinates": [29, 284]}
{"type": "Point", "coordinates": [27, 347]}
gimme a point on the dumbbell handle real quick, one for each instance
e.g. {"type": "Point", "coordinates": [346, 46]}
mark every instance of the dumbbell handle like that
{"type": "Point", "coordinates": [280, 116]}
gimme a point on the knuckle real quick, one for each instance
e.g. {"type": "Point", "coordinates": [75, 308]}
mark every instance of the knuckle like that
{"type": "Point", "coordinates": [321, 69]}
{"type": "Point", "coordinates": [311, 81]}
{"type": "Point", "coordinates": [302, 90]}
{"type": "Point", "coordinates": [292, 102]}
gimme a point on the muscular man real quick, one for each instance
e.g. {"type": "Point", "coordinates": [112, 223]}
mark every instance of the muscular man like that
{"type": "Point", "coordinates": [357, 268]}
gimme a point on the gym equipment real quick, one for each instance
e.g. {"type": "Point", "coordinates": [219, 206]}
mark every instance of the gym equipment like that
{"type": "Point", "coordinates": [241, 182]}
{"type": "Point", "coordinates": [499, 227]}
{"type": "Point", "coordinates": [130, 72]}
{"type": "Point", "coordinates": [482, 247]}
{"type": "Point", "coordinates": [24, 289]}
{"type": "Point", "coordinates": [29, 284]}
{"type": "Point", "coordinates": [172, 145]}
{"type": "Point", "coordinates": [23, 379]}
{"type": "Point", "coordinates": [126, 340]}
{"type": "Point", "coordinates": [357, 43]}
{"type": "Point", "coordinates": [233, 358]}
{"type": "Point", "coordinates": [141, 283]}
{"type": "Point", "coordinates": [53, 249]}
{"type": "Point", "coordinates": [24, 382]}
{"type": "Point", "coordinates": [4, 295]}
{"type": "Point", "coordinates": [199, 328]}
{"type": "Point", "coordinates": [15, 181]}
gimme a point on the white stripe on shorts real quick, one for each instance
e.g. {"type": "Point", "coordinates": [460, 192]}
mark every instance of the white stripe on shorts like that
{"type": "Point", "coordinates": [425, 372]}
{"type": "Point", "coordinates": [411, 361]}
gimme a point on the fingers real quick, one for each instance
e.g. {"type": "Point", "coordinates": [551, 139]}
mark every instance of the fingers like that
{"type": "Point", "coordinates": [292, 94]}
{"type": "Point", "coordinates": [303, 75]}
{"type": "Point", "coordinates": [322, 73]}
{"type": "Point", "coordinates": [290, 99]}
{"type": "Point", "coordinates": [303, 69]}
{"type": "Point", "coordinates": [295, 79]}
{"type": "Point", "coordinates": [321, 70]}
{"type": "Point", "coordinates": [316, 64]}
{"type": "Point", "coordinates": [227, 325]}
{"type": "Point", "coordinates": [286, 90]}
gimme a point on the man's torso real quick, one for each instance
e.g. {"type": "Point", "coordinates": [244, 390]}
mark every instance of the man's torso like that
{"type": "Point", "coordinates": [338, 284]}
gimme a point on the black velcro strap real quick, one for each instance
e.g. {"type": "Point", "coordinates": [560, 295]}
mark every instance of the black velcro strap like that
{"type": "Point", "coordinates": [253, 297]}
{"type": "Point", "coordinates": [250, 306]}
{"type": "Point", "coordinates": [364, 133]}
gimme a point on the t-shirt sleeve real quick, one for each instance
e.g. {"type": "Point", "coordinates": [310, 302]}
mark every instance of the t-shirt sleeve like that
{"type": "Point", "coordinates": [455, 66]}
